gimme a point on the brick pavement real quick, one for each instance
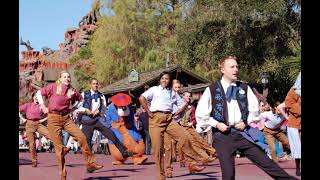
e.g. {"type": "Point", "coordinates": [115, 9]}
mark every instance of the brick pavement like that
{"type": "Point", "coordinates": [47, 169]}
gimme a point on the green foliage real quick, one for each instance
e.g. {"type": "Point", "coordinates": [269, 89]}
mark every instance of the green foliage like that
{"type": "Point", "coordinates": [283, 73]}
{"type": "Point", "coordinates": [83, 78]}
{"type": "Point", "coordinates": [262, 34]}
{"type": "Point", "coordinates": [84, 53]}
{"type": "Point", "coordinates": [142, 35]}
{"type": "Point", "coordinates": [81, 71]}
{"type": "Point", "coordinates": [139, 36]}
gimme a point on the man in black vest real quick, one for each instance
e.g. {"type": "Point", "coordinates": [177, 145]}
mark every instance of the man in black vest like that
{"type": "Point", "coordinates": [92, 117]}
{"type": "Point", "coordinates": [227, 106]}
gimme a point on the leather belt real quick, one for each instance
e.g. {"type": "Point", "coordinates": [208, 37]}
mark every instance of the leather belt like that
{"type": "Point", "coordinates": [61, 113]}
{"type": "Point", "coordinates": [33, 119]}
{"type": "Point", "coordinates": [165, 112]}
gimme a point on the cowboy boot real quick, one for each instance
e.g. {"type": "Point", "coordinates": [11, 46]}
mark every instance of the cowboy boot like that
{"type": "Point", "coordinates": [116, 162]}
{"type": "Point", "coordinates": [34, 164]}
{"type": "Point", "coordinates": [209, 160]}
{"type": "Point", "coordinates": [139, 160]}
{"type": "Point", "coordinates": [194, 168]}
{"type": "Point", "coordinates": [169, 174]}
{"type": "Point", "coordinates": [93, 167]}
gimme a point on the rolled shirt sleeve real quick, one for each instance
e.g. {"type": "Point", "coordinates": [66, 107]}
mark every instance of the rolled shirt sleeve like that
{"type": "Point", "coordinates": [23, 108]}
{"type": "Point", "coordinates": [148, 94]}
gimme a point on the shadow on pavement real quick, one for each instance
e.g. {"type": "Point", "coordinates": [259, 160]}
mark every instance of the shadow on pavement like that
{"type": "Point", "coordinates": [145, 163]}
{"type": "Point", "coordinates": [213, 165]}
{"type": "Point", "coordinates": [202, 174]}
{"type": "Point", "coordinates": [25, 162]}
{"type": "Point", "coordinates": [131, 170]}
{"type": "Point", "coordinates": [288, 168]}
{"type": "Point", "coordinates": [241, 164]}
{"type": "Point", "coordinates": [68, 165]}
{"type": "Point", "coordinates": [104, 178]}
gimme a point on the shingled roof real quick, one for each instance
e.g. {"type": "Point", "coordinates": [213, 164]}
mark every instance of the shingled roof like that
{"type": "Point", "coordinates": [151, 78]}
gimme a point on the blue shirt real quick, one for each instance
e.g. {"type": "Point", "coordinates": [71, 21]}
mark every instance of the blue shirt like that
{"type": "Point", "coordinates": [180, 103]}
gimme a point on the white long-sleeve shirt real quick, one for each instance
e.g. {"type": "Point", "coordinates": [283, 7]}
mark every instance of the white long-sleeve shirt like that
{"type": "Point", "coordinates": [204, 108]}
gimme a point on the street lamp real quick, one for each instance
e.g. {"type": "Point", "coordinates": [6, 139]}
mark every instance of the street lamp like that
{"type": "Point", "coordinates": [264, 79]}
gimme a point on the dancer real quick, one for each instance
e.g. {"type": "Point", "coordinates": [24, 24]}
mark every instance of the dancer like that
{"type": "Point", "coordinates": [198, 144]}
{"type": "Point", "coordinates": [293, 104]}
{"type": "Point", "coordinates": [61, 94]}
{"type": "Point", "coordinates": [92, 116]}
{"type": "Point", "coordinates": [161, 100]}
{"type": "Point", "coordinates": [188, 121]}
{"type": "Point", "coordinates": [273, 119]}
{"type": "Point", "coordinates": [227, 106]}
{"type": "Point", "coordinates": [34, 114]}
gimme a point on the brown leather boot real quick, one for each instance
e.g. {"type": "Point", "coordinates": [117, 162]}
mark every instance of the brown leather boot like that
{"type": "Point", "coordinates": [34, 164]}
{"type": "Point", "coordinates": [169, 174]}
{"type": "Point", "coordinates": [194, 168]}
{"type": "Point", "coordinates": [93, 167]}
{"type": "Point", "coordinates": [211, 159]}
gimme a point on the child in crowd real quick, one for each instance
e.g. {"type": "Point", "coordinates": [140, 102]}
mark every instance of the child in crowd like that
{"type": "Point", "coordinates": [272, 128]}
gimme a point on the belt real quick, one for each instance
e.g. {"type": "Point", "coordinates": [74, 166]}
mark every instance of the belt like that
{"type": "Point", "coordinates": [62, 113]}
{"type": "Point", "coordinates": [33, 119]}
{"type": "Point", "coordinates": [165, 112]}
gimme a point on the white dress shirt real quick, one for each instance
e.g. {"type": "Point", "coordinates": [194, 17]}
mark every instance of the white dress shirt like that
{"type": "Point", "coordinates": [94, 105]}
{"type": "Point", "coordinates": [161, 99]}
{"type": "Point", "coordinates": [204, 108]}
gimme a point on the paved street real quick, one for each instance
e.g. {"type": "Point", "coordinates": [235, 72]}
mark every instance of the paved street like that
{"type": "Point", "coordinates": [48, 170]}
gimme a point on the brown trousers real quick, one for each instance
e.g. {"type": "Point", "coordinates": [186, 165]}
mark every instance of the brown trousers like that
{"type": "Point", "coordinates": [55, 124]}
{"type": "Point", "coordinates": [31, 128]}
{"type": "Point", "coordinates": [159, 124]}
{"type": "Point", "coordinates": [170, 151]}
{"type": "Point", "coordinates": [279, 135]}
{"type": "Point", "coordinates": [203, 144]}
{"type": "Point", "coordinates": [200, 147]}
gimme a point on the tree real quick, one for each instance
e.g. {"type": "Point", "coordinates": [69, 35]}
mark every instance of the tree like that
{"type": "Point", "coordinates": [254, 31]}
{"type": "Point", "coordinates": [140, 35]}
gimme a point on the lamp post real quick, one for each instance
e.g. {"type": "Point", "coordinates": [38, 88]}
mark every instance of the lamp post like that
{"type": "Point", "coordinates": [264, 79]}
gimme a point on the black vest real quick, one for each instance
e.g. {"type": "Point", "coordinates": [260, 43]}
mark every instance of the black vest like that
{"type": "Point", "coordinates": [88, 100]}
{"type": "Point", "coordinates": [219, 103]}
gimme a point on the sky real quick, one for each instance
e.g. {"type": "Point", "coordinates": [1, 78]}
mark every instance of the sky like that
{"type": "Point", "coordinates": [44, 22]}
